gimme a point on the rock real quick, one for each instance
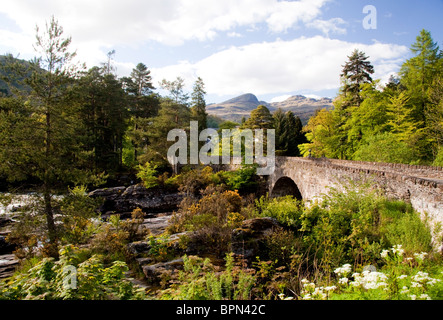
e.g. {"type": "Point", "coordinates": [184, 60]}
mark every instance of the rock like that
{"type": "Point", "coordinates": [8, 264]}
{"type": "Point", "coordinates": [155, 272]}
{"type": "Point", "coordinates": [5, 246]}
{"type": "Point", "coordinates": [4, 221]}
{"type": "Point", "coordinates": [156, 225]}
{"type": "Point", "coordinates": [139, 248]}
{"type": "Point", "coordinates": [125, 200]}
{"type": "Point", "coordinates": [247, 241]}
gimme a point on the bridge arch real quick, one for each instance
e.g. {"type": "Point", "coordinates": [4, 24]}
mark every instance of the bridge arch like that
{"type": "Point", "coordinates": [285, 186]}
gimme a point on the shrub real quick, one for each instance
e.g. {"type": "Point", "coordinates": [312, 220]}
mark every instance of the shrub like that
{"type": "Point", "coordinates": [201, 280]}
{"type": "Point", "coordinates": [147, 173]}
{"type": "Point", "coordinates": [70, 279]}
{"type": "Point", "coordinates": [244, 179]}
{"type": "Point", "coordinates": [286, 210]}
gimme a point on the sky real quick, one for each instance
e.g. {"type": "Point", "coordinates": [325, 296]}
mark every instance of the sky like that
{"type": "Point", "coordinates": [271, 48]}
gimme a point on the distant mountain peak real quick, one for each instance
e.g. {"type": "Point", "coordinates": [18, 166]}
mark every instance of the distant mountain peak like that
{"type": "Point", "coordinates": [237, 108]}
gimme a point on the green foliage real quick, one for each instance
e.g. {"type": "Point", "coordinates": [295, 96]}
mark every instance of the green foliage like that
{"type": "Point", "coordinates": [200, 280]}
{"type": "Point", "coordinates": [398, 123]}
{"type": "Point", "coordinates": [286, 210]}
{"type": "Point", "coordinates": [260, 118]}
{"type": "Point", "coordinates": [71, 279]}
{"type": "Point", "coordinates": [438, 161]}
{"type": "Point", "coordinates": [403, 277]}
{"type": "Point", "coordinates": [385, 147]}
{"type": "Point", "coordinates": [147, 173]}
{"type": "Point", "coordinates": [244, 179]}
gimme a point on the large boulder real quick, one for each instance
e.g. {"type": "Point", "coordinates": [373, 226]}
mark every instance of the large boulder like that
{"type": "Point", "coordinates": [124, 200]}
{"type": "Point", "coordinates": [155, 273]}
{"type": "Point", "coordinates": [8, 264]}
{"type": "Point", "coordinates": [247, 241]}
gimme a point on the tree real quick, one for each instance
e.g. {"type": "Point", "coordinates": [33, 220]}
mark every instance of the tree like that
{"type": "Point", "coordinates": [143, 104]}
{"type": "Point", "coordinates": [320, 134]}
{"type": "Point", "coordinates": [293, 134]}
{"type": "Point", "coordinates": [418, 72]}
{"type": "Point", "coordinates": [105, 116]}
{"type": "Point", "coordinates": [417, 76]}
{"type": "Point", "coordinates": [198, 104]}
{"type": "Point", "coordinates": [175, 89]}
{"type": "Point", "coordinates": [45, 137]}
{"type": "Point", "coordinates": [356, 72]}
{"type": "Point", "coordinates": [140, 82]}
{"type": "Point", "coordinates": [260, 118]}
{"type": "Point", "coordinates": [280, 125]}
{"type": "Point", "coordinates": [170, 116]}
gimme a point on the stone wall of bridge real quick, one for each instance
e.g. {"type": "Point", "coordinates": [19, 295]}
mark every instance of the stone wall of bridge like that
{"type": "Point", "coordinates": [422, 186]}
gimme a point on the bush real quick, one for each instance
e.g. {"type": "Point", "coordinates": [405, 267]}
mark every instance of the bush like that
{"type": "Point", "coordinates": [286, 210]}
{"type": "Point", "coordinates": [201, 280]}
{"type": "Point", "coordinates": [147, 173]}
{"type": "Point", "coordinates": [245, 179]}
{"type": "Point", "coordinates": [70, 279]}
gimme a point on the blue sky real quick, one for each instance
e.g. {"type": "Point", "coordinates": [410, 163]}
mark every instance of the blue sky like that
{"type": "Point", "coordinates": [271, 48]}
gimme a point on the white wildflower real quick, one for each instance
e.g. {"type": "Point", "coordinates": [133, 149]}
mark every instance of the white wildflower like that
{"type": "Point", "coordinates": [416, 285]}
{"type": "Point", "coordinates": [343, 281]}
{"type": "Point", "coordinates": [331, 288]}
{"type": "Point", "coordinates": [404, 290]}
{"type": "Point", "coordinates": [413, 297]}
{"type": "Point", "coordinates": [420, 256]}
{"type": "Point", "coordinates": [425, 297]}
{"type": "Point", "coordinates": [397, 249]}
{"type": "Point", "coordinates": [345, 269]}
{"type": "Point", "coordinates": [384, 253]}
{"type": "Point", "coordinates": [403, 276]}
{"type": "Point", "coordinates": [307, 297]}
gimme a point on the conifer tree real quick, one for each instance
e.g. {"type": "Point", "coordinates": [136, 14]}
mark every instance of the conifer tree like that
{"type": "Point", "coordinates": [198, 104]}
{"type": "Point", "coordinates": [355, 72]}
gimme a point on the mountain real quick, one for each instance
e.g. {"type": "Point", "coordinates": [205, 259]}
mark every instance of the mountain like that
{"type": "Point", "coordinates": [241, 106]}
{"type": "Point", "coordinates": [302, 106]}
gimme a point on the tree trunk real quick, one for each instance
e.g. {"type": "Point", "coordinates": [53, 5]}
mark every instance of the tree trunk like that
{"type": "Point", "coordinates": [52, 247]}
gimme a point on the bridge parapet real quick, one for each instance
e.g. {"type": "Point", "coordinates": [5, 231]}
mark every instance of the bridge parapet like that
{"type": "Point", "coordinates": [422, 186]}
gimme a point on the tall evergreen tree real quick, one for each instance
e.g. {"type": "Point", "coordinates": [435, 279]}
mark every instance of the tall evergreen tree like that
{"type": "Point", "coordinates": [355, 72]}
{"type": "Point", "coordinates": [293, 134]}
{"type": "Point", "coordinates": [105, 114]}
{"type": "Point", "coordinates": [143, 104]}
{"type": "Point", "coordinates": [260, 118]}
{"type": "Point", "coordinates": [44, 132]}
{"type": "Point", "coordinates": [280, 125]}
{"type": "Point", "coordinates": [198, 104]}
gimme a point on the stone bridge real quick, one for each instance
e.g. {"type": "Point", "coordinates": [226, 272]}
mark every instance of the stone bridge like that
{"type": "Point", "coordinates": [310, 178]}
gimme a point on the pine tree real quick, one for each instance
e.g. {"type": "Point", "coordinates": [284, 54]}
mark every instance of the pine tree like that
{"type": "Point", "coordinates": [143, 104]}
{"type": "Point", "coordinates": [260, 118]}
{"type": "Point", "coordinates": [293, 135]}
{"type": "Point", "coordinates": [198, 105]}
{"type": "Point", "coordinates": [45, 137]}
{"type": "Point", "coordinates": [355, 72]}
{"type": "Point", "coordinates": [280, 125]}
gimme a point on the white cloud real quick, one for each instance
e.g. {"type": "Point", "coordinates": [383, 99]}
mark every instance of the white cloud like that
{"type": "Point", "coordinates": [104, 24]}
{"type": "Point", "coordinates": [303, 64]}
{"type": "Point", "coordinates": [328, 26]}
{"type": "Point", "coordinates": [234, 35]}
